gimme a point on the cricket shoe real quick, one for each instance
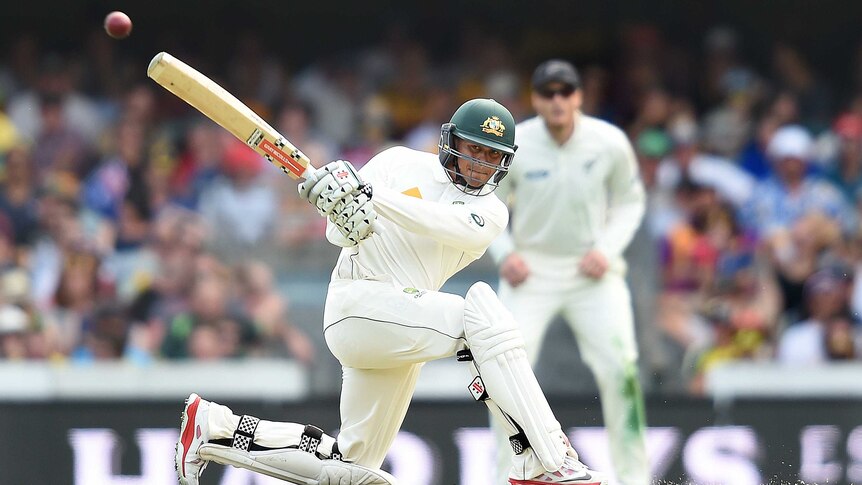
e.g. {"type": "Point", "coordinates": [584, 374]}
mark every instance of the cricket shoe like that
{"type": "Point", "coordinates": [573, 472]}
{"type": "Point", "coordinates": [194, 431]}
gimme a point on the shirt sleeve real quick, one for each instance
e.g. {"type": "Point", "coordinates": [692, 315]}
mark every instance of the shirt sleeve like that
{"type": "Point", "coordinates": [504, 245]}
{"type": "Point", "coordinates": [469, 227]}
{"type": "Point", "coordinates": [627, 201]}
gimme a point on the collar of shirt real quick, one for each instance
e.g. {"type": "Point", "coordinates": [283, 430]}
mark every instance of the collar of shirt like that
{"type": "Point", "coordinates": [441, 175]}
{"type": "Point", "coordinates": [575, 132]}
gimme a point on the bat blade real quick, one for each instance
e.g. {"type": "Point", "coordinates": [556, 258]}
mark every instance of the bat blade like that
{"type": "Point", "coordinates": [219, 105]}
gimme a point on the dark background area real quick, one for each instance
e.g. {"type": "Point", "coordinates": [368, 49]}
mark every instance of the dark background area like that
{"type": "Point", "coordinates": [777, 425]}
{"type": "Point", "coordinates": [826, 32]}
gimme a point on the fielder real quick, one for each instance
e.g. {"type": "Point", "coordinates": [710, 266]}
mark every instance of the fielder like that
{"type": "Point", "coordinates": [407, 221]}
{"type": "Point", "coordinates": [577, 201]}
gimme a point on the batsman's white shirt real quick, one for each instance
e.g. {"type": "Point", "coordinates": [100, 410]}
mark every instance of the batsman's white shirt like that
{"type": "Point", "coordinates": [422, 244]}
{"type": "Point", "coordinates": [567, 199]}
{"type": "Point", "coordinates": [384, 316]}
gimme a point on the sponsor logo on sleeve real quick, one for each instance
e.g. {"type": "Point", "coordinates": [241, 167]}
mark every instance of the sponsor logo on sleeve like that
{"type": "Point", "coordinates": [414, 291]}
{"type": "Point", "coordinates": [537, 174]}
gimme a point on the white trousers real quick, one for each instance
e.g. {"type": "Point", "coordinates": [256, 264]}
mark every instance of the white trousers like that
{"type": "Point", "coordinates": [599, 312]}
{"type": "Point", "coordinates": [382, 334]}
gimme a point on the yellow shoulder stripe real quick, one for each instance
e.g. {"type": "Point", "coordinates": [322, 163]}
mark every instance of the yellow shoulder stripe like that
{"type": "Point", "coordinates": [414, 192]}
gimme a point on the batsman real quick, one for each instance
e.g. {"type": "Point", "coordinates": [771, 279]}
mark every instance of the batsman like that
{"type": "Point", "coordinates": [407, 222]}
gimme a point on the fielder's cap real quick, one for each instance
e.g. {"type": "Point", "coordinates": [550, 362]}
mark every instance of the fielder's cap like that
{"type": "Point", "coordinates": [556, 71]}
{"type": "Point", "coordinates": [792, 141]}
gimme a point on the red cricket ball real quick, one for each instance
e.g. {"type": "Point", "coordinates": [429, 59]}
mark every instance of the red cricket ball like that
{"type": "Point", "coordinates": [118, 25]}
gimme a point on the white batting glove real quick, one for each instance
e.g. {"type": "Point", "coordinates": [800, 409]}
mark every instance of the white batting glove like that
{"type": "Point", "coordinates": [327, 185]}
{"type": "Point", "coordinates": [354, 216]}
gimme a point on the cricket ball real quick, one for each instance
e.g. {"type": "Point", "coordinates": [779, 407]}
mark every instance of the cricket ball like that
{"type": "Point", "coordinates": [118, 25]}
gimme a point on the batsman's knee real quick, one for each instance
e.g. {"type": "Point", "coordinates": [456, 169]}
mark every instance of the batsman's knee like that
{"type": "Point", "coordinates": [490, 329]}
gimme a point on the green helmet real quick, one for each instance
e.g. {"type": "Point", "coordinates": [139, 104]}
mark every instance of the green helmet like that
{"type": "Point", "coordinates": [484, 122]}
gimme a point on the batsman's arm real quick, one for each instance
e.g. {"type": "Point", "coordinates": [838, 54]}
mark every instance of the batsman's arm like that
{"type": "Point", "coordinates": [217, 104]}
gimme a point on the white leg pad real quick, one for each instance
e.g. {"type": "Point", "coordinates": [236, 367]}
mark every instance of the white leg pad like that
{"type": "Point", "coordinates": [296, 466]}
{"type": "Point", "coordinates": [498, 352]}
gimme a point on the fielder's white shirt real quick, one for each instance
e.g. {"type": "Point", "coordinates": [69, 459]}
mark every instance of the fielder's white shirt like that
{"type": "Point", "coordinates": [569, 198]}
{"type": "Point", "coordinates": [430, 228]}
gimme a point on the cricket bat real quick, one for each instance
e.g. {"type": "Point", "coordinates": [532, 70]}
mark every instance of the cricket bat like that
{"type": "Point", "coordinates": [225, 109]}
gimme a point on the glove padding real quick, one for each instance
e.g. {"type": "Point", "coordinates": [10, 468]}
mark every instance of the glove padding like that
{"type": "Point", "coordinates": [327, 185]}
{"type": "Point", "coordinates": [354, 216]}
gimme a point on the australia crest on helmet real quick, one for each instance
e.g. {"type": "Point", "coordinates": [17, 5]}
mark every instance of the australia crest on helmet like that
{"type": "Point", "coordinates": [494, 126]}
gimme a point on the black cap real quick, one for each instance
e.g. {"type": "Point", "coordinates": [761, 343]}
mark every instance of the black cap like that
{"type": "Point", "coordinates": [556, 71]}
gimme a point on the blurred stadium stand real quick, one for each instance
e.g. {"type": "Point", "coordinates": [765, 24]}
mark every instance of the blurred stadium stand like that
{"type": "Point", "coordinates": [139, 245]}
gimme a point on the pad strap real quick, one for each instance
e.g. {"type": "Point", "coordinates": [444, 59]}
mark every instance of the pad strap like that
{"type": "Point", "coordinates": [244, 434]}
{"type": "Point", "coordinates": [519, 442]}
{"type": "Point", "coordinates": [464, 356]}
{"type": "Point", "coordinates": [336, 454]}
{"type": "Point", "coordinates": [310, 439]}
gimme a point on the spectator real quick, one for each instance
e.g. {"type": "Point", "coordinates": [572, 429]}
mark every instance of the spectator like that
{"type": "Point", "coordinates": [688, 160]}
{"type": "Point", "coordinates": [794, 74]}
{"type": "Point", "coordinates": [14, 325]}
{"type": "Point", "coordinates": [210, 327]}
{"type": "Point", "coordinates": [299, 223]}
{"type": "Point", "coordinates": [122, 172]}
{"type": "Point", "coordinates": [76, 298]}
{"type": "Point", "coordinates": [212, 340]}
{"type": "Point", "coordinates": [295, 122]}
{"type": "Point", "coordinates": [753, 158]}
{"type": "Point", "coordinates": [59, 146]}
{"type": "Point", "coordinates": [797, 253]}
{"type": "Point", "coordinates": [269, 311]}
{"type": "Point", "coordinates": [792, 192]}
{"type": "Point", "coordinates": [742, 302]}
{"type": "Point", "coordinates": [178, 243]}
{"type": "Point", "coordinates": [55, 80]}
{"type": "Point", "coordinates": [197, 165]}
{"type": "Point", "coordinates": [18, 196]}
{"type": "Point", "coordinates": [845, 170]}
{"type": "Point", "coordinates": [132, 264]}
{"type": "Point", "coordinates": [811, 341]}
{"type": "Point", "coordinates": [60, 230]}
{"type": "Point", "coordinates": [104, 336]}
{"type": "Point", "coordinates": [728, 127]}
{"type": "Point", "coordinates": [241, 201]}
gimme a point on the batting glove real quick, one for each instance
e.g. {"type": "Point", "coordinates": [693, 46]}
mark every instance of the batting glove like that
{"type": "Point", "coordinates": [328, 184]}
{"type": "Point", "coordinates": [354, 216]}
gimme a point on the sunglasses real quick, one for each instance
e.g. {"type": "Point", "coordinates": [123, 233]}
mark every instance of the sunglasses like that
{"type": "Point", "coordinates": [549, 93]}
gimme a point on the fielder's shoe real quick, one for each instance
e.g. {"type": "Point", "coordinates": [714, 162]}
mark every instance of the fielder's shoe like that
{"type": "Point", "coordinates": [194, 432]}
{"type": "Point", "coordinates": [573, 472]}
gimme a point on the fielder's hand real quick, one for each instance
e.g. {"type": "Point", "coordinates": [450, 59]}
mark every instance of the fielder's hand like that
{"type": "Point", "coordinates": [327, 185]}
{"type": "Point", "coordinates": [354, 215]}
{"type": "Point", "coordinates": [593, 264]}
{"type": "Point", "coordinates": [514, 270]}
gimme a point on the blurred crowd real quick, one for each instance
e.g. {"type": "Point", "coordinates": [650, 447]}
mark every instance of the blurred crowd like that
{"type": "Point", "coordinates": [133, 228]}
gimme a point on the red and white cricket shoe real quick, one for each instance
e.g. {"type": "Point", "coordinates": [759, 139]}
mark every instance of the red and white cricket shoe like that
{"type": "Point", "coordinates": [194, 432]}
{"type": "Point", "coordinates": [573, 472]}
